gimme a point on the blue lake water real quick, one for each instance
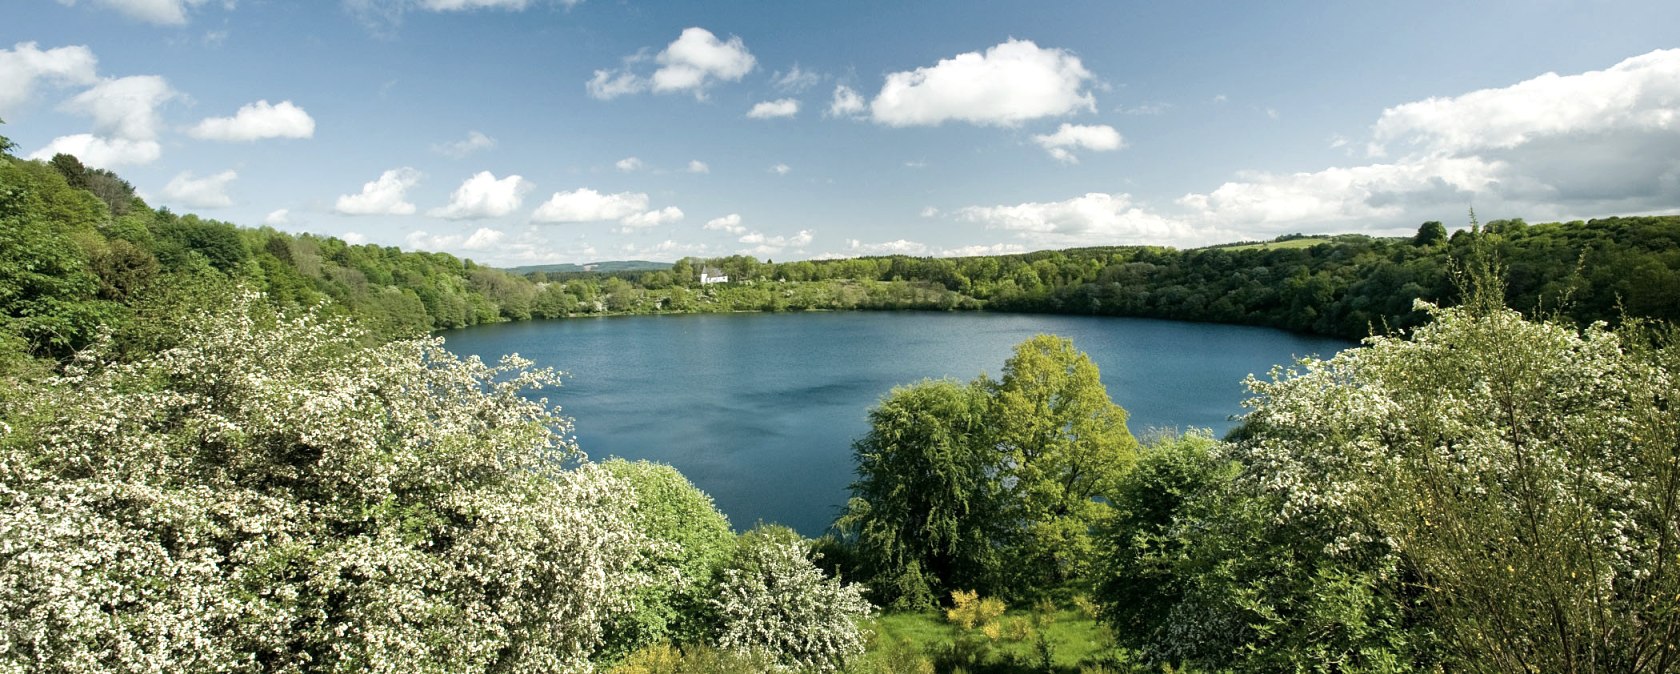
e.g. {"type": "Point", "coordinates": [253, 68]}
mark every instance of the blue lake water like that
{"type": "Point", "coordinates": [760, 410]}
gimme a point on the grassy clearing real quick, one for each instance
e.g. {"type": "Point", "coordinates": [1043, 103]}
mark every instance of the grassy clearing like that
{"type": "Point", "coordinates": [925, 642]}
{"type": "Point", "coordinates": [1280, 245]}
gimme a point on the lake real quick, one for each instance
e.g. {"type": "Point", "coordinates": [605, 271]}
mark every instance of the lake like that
{"type": "Point", "coordinates": [760, 410]}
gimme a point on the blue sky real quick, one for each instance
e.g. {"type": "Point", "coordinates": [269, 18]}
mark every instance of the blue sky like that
{"type": "Point", "coordinates": [526, 131]}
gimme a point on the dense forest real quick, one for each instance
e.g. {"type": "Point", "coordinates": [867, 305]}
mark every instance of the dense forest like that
{"type": "Point", "coordinates": [234, 450]}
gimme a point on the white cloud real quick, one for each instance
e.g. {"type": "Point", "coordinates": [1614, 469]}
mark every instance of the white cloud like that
{"type": "Point", "coordinates": [930, 212]}
{"type": "Point", "coordinates": [1148, 108]}
{"type": "Point", "coordinates": [610, 84]}
{"type": "Point", "coordinates": [847, 102]}
{"type": "Point", "coordinates": [279, 217]}
{"type": "Point", "coordinates": [980, 249]}
{"type": "Point", "coordinates": [483, 196]}
{"type": "Point", "coordinates": [698, 57]}
{"type": "Point", "coordinates": [1597, 143]}
{"type": "Point", "coordinates": [22, 66]}
{"type": "Point", "coordinates": [628, 164]}
{"type": "Point", "coordinates": [206, 192]}
{"type": "Point", "coordinates": [697, 166]}
{"type": "Point", "coordinates": [1011, 83]}
{"type": "Point", "coordinates": [1094, 218]}
{"type": "Point", "coordinates": [354, 238]}
{"type": "Point", "coordinates": [690, 63]}
{"type": "Point", "coordinates": [483, 238]}
{"type": "Point", "coordinates": [474, 142]}
{"type": "Point", "coordinates": [124, 108]}
{"type": "Point", "coordinates": [729, 223]}
{"type": "Point", "coordinates": [803, 238]}
{"type": "Point", "coordinates": [258, 121]}
{"type": "Point", "coordinates": [795, 80]}
{"type": "Point", "coordinates": [1265, 202]}
{"type": "Point", "coordinates": [161, 12]}
{"type": "Point", "coordinates": [785, 107]}
{"type": "Point", "coordinates": [899, 247]}
{"type": "Point", "coordinates": [663, 216]}
{"type": "Point", "coordinates": [1640, 94]}
{"type": "Point", "coordinates": [781, 169]}
{"type": "Point", "coordinates": [1069, 137]}
{"type": "Point", "coordinates": [102, 152]}
{"type": "Point", "coordinates": [587, 205]}
{"type": "Point", "coordinates": [384, 196]}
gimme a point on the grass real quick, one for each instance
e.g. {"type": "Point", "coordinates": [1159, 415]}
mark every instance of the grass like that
{"type": "Point", "coordinates": [1075, 641]}
{"type": "Point", "coordinates": [1278, 245]}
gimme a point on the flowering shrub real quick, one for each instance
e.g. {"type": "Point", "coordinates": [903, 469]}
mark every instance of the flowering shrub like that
{"type": "Point", "coordinates": [269, 495]}
{"type": "Point", "coordinates": [772, 600]}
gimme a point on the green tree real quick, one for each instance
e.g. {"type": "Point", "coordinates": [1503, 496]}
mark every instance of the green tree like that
{"type": "Point", "coordinates": [924, 509]}
{"type": "Point", "coordinates": [1432, 233]}
{"type": "Point", "coordinates": [1064, 443]}
{"type": "Point", "coordinates": [772, 600]}
{"type": "Point", "coordinates": [692, 541]}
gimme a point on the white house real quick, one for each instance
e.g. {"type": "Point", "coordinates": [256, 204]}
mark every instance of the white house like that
{"type": "Point", "coordinates": [712, 276]}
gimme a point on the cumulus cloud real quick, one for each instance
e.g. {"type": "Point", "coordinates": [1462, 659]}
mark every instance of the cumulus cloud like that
{"type": "Point", "coordinates": [125, 107]}
{"type": "Point", "coordinates": [475, 142]}
{"type": "Point", "coordinates": [729, 223]}
{"type": "Point", "coordinates": [385, 196]}
{"type": "Point", "coordinates": [1070, 137]}
{"type": "Point", "coordinates": [847, 102]}
{"type": "Point", "coordinates": [1640, 94]}
{"type": "Point", "coordinates": [691, 63]}
{"type": "Point", "coordinates": [483, 196]}
{"type": "Point", "coordinates": [663, 216]}
{"type": "Point", "coordinates": [1010, 83]}
{"type": "Point", "coordinates": [354, 238]}
{"type": "Point", "coordinates": [25, 65]}
{"type": "Point", "coordinates": [100, 152]}
{"type": "Point", "coordinates": [278, 217]}
{"type": "Point", "coordinates": [258, 121]}
{"type": "Point", "coordinates": [587, 205]}
{"type": "Point", "coordinates": [628, 164]}
{"type": "Point", "coordinates": [1551, 147]}
{"type": "Point", "coordinates": [483, 238]}
{"type": "Point", "coordinates": [1088, 219]}
{"type": "Point", "coordinates": [785, 107]}
{"type": "Point", "coordinates": [697, 166]}
{"type": "Point", "coordinates": [161, 12]}
{"type": "Point", "coordinates": [781, 169]}
{"type": "Point", "coordinates": [982, 249]}
{"type": "Point", "coordinates": [206, 192]}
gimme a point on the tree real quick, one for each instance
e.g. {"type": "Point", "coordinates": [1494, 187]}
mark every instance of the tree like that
{"type": "Point", "coordinates": [924, 509]}
{"type": "Point", "coordinates": [1432, 233]}
{"type": "Point", "coordinates": [1064, 443]}
{"type": "Point", "coordinates": [6, 144]}
{"type": "Point", "coordinates": [693, 540]}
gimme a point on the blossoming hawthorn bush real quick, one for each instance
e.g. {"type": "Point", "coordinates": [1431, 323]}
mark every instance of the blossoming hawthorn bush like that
{"type": "Point", "coordinates": [773, 601]}
{"type": "Point", "coordinates": [269, 495]}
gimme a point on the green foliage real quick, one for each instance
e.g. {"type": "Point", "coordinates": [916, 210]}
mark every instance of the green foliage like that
{"type": "Point", "coordinates": [992, 486]}
{"type": "Point", "coordinates": [923, 512]}
{"type": "Point", "coordinates": [693, 540]}
{"type": "Point", "coordinates": [1064, 443]}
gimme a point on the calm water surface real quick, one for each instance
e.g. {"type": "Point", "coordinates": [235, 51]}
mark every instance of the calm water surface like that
{"type": "Point", "coordinates": [760, 410]}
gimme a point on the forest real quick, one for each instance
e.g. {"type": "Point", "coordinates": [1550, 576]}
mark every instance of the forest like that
{"type": "Point", "coordinates": [238, 450]}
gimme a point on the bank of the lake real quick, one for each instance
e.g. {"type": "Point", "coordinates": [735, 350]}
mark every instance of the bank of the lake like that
{"type": "Point", "coordinates": [760, 410]}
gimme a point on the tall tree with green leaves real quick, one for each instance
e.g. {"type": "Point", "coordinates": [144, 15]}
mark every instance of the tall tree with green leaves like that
{"type": "Point", "coordinates": [924, 510]}
{"type": "Point", "coordinates": [1064, 443]}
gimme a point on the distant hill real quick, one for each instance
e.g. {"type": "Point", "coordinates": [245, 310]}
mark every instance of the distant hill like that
{"type": "Point", "coordinates": [610, 265]}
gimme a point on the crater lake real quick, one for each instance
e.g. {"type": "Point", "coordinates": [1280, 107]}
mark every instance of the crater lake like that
{"type": "Point", "coordinates": [760, 410]}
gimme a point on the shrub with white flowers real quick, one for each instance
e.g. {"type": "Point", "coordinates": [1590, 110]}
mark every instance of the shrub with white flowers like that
{"type": "Point", "coordinates": [270, 495]}
{"type": "Point", "coordinates": [772, 600]}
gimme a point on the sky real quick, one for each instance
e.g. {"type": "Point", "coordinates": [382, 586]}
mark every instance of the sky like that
{"type": "Point", "coordinates": [518, 132]}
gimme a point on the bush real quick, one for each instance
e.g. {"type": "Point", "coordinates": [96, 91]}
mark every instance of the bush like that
{"type": "Point", "coordinates": [270, 495]}
{"type": "Point", "coordinates": [773, 600]}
